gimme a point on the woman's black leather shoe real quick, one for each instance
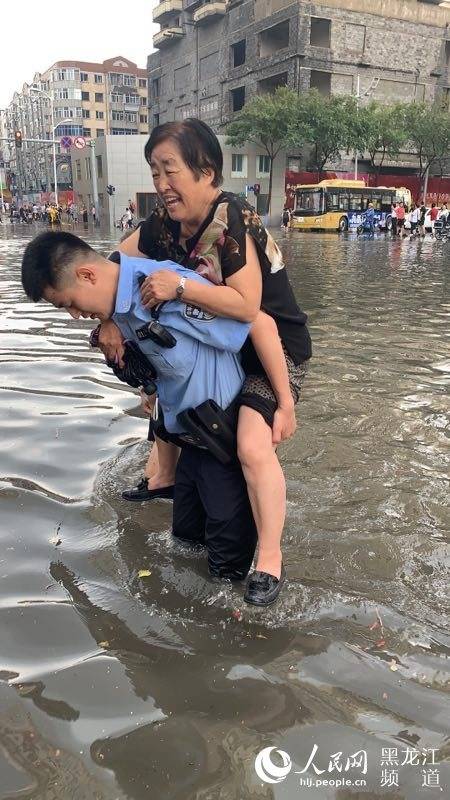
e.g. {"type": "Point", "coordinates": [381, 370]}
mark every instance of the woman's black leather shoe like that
{"type": "Point", "coordinates": [142, 492]}
{"type": "Point", "coordinates": [262, 588]}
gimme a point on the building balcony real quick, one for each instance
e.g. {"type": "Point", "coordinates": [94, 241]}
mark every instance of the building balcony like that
{"type": "Point", "coordinates": [163, 11]}
{"type": "Point", "coordinates": [167, 36]}
{"type": "Point", "coordinates": [208, 12]}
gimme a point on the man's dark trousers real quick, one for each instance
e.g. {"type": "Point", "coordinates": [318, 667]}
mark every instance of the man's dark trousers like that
{"type": "Point", "coordinates": [211, 507]}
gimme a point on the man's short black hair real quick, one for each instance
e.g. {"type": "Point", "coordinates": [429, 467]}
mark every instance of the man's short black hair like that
{"type": "Point", "coordinates": [47, 258]}
{"type": "Point", "coordinates": [199, 146]}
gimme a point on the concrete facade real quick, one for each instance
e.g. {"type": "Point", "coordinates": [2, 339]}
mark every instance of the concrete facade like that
{"type": "Point", "coordinates": [208, 64]}
{"type": "Point", "coordinates": [120, 163]}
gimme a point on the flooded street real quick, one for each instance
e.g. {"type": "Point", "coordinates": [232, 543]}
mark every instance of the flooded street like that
{"type": "Point", "coordinates": [167, 687]}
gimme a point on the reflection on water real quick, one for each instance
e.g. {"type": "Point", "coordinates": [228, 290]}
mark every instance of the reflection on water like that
{"type": "Point", "coordinates": [116, 686]}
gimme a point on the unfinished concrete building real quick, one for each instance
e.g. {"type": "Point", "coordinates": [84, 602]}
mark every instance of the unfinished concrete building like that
{"type": "Point", "coordinates": [212, 56]}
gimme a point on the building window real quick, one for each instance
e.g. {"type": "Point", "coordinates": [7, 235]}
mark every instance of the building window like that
{"type": "Point", "coordinates": [238, 165]}
{"type": "Point", "coordinates": [117, 116]}
{"type": "Point", "coordinates": [155, 120]}
{"type": "Point", "coordinates": [124, 131]}
{"type": "Point", "coordinates": [100, 132]}
{"type": "Point", "coordinates": [268, 85]}
{"type": "Point", "coordinates": [130, 116]}
{"type": "Point", "coordinates": [142, 83]}
{"type": "Point", "coordinates": [78, 169]}
{"type": "Point", "coordinates": [143, 119]}
{"type": "Point", "coordinates": [238, 53]}
{"type": "Point", "coordinates": [68, 130]}
{"type": "Point", "coordinates": [447, 53]}
{"type": "Point", "coordinates": [98, 97]}
{"type": "Point", "coordinates": [98, 78]}
{"type": "Point", "coordinates": [87, 168]}
{"type": "Point", "coordinates": [85, 96]}
{"type": "Point", "coordinates": [274, 39]}
{"type": "Point", "coordinates": [84, 77]}
{"type": "Point", "coordinates": [129, 80]}
{"type": "Point", "coordinates": [263, 167]}
{"type": "Point", "coordinates": [321, 81]}
{"type": "Point", "coordinates": [143, 101]}
{"type": "Point", "coordinates": [86, 132]}
{"type": "Point", "coordinates": [237, 98]}
{"type": "Point", "coordinates": [155, 88]}
{"type": "Point", "coordinates": [115, 98]}
{"type": "Point", "coordinates": [99, 115]}
{"type": "Point", "coordinates": [86, 113]}
{"type": "Point", "coordinates": [320, 34]}
{"type": "Point", "coordinates": [99, 167]}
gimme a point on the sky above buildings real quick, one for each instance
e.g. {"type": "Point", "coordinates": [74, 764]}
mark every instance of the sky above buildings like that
{"type": "Point", "coordinates": [35, 35]}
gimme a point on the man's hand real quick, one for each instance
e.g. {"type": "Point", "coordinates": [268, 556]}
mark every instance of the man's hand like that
{"type": "Point", "coordinates": [284, 423]}
{"type": "Point", "coordinates": [147, 402]}
{"type": "Point", "coordinates": [110, 342]}
{"type": "Point", "coordinates": [159, 286]}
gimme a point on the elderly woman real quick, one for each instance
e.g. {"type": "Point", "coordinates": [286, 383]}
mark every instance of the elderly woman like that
{"type": "Point", "coordinates": [220, 236]}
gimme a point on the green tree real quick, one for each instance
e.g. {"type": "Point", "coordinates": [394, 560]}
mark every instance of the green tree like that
{"type": "Point", "coordinates": [428, 133]}
{"type": "Point", "coordinates": [381, 132]}
{"type": "Point", "coordinates": [326, 123]}
{"type": "Point", "coordinates": [265, 120]}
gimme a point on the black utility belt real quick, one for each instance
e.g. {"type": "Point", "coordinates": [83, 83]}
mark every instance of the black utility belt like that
{"type": "Point", "coordinates": [208, 427]}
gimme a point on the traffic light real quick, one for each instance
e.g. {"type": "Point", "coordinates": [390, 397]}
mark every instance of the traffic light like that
{"type": "Point", "coordinates": [110, 189]}
{"type": "Point", "coordinates": [256, 188]}
{"type": "Point", "coordinates": [18, 139]}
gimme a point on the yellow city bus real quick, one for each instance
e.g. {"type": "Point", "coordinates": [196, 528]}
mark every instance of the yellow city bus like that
{"type": "Point", "coordinates": [339, 205]}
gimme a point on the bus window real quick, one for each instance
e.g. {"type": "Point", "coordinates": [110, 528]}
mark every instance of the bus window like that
{"type": "Point", "coordinates": [332, 201]}
{"type": "Point", "coordinates": [343, 200]}
{"type": "Point", "coordinates": [376, 200]}
{"type": "Point", "coordinates": [386, 202]}
{"type": "Point", "coordinates": [355, 201]}
{"type": "Point", "coordinates": [309, 202]}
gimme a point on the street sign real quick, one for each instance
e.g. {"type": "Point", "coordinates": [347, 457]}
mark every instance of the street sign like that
{"type": "Point", "coordinates": [66, 142]}
{"type": "Point", "coordinates": [79, 142]}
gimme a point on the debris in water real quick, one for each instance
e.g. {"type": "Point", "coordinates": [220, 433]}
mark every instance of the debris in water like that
{"type": "Point", "coordinates": [393, 665]}
{"type": "Point", "coordinates": [103, 644]}
{"type": "Point", "coordinates": [144, 573]}
{"type": "Point", "coordinates": [238, 615]}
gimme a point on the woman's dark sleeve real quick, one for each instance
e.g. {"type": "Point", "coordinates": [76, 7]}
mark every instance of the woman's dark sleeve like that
{"type": "Point", "coordinates": [234, 250]}
{"type": "Point", "coordinates": [149, 235]}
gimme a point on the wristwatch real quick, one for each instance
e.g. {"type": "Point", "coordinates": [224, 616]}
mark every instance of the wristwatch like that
{"type": "Point", "coordinates": [180, 288]}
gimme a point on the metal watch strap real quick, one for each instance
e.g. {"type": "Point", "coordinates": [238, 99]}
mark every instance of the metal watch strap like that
{"type": "Point", "coordinates": [180, 287]}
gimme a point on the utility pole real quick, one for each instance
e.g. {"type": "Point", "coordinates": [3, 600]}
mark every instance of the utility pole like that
{"type": "Point", "coordinates": [357, 106]}
{"type": "Point", "coordinates": [94, 179]}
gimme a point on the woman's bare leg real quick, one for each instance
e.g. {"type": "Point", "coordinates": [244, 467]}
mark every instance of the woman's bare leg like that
{"type": "Point", "coordinates": [266, 487]}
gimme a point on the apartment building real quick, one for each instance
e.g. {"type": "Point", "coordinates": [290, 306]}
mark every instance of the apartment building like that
{"type": "Point", "coordinates": [75, 98]}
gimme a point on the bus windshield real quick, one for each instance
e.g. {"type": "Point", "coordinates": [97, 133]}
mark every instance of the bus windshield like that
{"type": "Point", "coordinates": [309, 202]}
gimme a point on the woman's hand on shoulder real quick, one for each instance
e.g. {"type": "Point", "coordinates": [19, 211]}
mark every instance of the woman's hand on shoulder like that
{"type": "Point", "coordinates": [111, 342]}
{"type": "Point", "coordinates": [159, 286]}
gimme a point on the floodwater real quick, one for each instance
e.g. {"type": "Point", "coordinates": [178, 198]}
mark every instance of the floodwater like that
{"type": "Point", "coordinates": [167, 687]}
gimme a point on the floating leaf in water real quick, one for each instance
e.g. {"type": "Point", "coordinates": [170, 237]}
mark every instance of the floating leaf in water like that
{"type": "Point", "coordinates": [393, 666]}
{"type": "Point", "coordinates": [144, 573]}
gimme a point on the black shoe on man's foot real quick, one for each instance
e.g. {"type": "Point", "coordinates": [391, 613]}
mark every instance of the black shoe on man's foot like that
{"type": "Point", "coordinates": [263, 588]}
{"type": "Point", "coordinates": [142, 492]}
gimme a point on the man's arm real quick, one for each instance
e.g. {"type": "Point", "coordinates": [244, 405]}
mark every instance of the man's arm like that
{"type": "Point", "coordinates": [110, 338]}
